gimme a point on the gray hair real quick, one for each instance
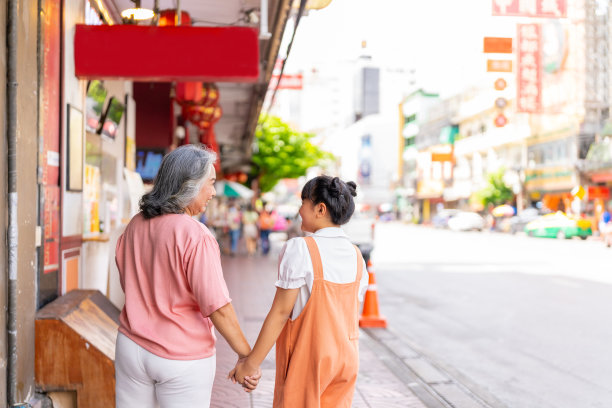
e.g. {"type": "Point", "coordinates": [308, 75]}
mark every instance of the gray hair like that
{"type": "Point", "coordinates": [179, 179]}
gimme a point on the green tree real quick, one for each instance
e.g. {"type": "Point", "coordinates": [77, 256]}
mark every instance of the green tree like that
{"type": "Point", "coordinates": [281, 152]}
{"type": "Point", "coordinates": [496, 192]}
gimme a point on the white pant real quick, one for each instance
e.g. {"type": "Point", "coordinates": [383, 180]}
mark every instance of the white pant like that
{"type": "Point", "coordinates": [146, 380]}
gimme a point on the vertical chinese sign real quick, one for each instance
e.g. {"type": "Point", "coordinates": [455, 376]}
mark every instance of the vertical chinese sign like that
{"type": "Point", "coordinates": [530, 8]}
{"type": "Point", "coordinates": [49, 127]}
{"type": "Point", "coordinates": [529, 71]}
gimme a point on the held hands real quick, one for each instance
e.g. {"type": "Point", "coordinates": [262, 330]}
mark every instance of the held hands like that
{"type": "Point", "coordinates": [245, 374]}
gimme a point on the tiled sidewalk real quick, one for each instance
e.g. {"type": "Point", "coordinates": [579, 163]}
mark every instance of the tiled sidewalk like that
{"type": "Point", "coordinates": [251, 286]}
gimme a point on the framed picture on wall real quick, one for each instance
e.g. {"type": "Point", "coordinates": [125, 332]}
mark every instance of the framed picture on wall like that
{"type": "Point", "coordinates": [94, 105]}
{"type": "Point", "coordinates": [74, 161]}
{"type": "Point", "coordinates": [112, 118]}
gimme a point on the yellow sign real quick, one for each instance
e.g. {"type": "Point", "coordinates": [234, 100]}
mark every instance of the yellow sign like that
{"type": "Point", "coordinates": [130, 153]}
{"type": "Point", "coordinates": [579, 192]}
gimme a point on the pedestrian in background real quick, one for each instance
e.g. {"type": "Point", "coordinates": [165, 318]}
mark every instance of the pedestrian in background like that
{"type": "Point", "coordinates": [266, 224]}
{"type": "Point", "coordinates": [234, 222]}
{"type": "Point", "coordinates": [170, 270]}
{"type": "Point", "coordinates": [249, 228]}
{"type": "Point", "coordinates": [316, 346]}
{"type": "Point", "coordinates": [219, 223]}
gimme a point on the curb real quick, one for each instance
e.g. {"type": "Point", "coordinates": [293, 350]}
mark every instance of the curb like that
{"type": "Point", "coordinates": [436, 385]}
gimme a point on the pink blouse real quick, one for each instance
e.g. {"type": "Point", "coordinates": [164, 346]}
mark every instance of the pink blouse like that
{"type": "Point", "coordinates": [170, 271]}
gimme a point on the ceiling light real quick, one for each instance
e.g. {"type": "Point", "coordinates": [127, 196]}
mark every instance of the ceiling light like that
{"type": "Point", "coordinates": [137, 13]}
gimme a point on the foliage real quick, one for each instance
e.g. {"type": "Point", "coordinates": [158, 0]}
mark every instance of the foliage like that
{"type": "Point", "coordinates": [281, 152]}
{"type": "Point", "coordinates": [496, 192]}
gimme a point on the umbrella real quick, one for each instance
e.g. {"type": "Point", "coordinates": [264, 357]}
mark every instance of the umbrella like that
{"type": "Point", "coordinates": [503, 211]}
{"type": "Point", "coordinates": [232, 189]}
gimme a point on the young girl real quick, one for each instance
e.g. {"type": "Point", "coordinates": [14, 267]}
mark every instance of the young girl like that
{"type": "Point", "coordinates": [314, 315]}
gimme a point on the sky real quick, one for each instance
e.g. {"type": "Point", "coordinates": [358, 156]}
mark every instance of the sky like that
{"type": "Point", "coordinates": [441, 39]}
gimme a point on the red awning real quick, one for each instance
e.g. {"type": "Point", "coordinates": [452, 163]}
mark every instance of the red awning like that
{"type": "Point", "coordinates": [163, 54]}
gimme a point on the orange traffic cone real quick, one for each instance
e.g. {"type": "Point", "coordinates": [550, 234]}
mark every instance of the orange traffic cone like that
{"type": "Point", "coordinates": [370, 317]}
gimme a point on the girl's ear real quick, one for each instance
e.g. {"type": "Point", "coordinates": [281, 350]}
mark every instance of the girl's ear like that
{"type": "Point", "coordinates": [321, 210]}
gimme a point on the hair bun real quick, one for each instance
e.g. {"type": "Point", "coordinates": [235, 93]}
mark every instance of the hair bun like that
{"type": "Point", "coordinates": [335, 187]}
{"type": "Point", "coordinates": [352, 187]}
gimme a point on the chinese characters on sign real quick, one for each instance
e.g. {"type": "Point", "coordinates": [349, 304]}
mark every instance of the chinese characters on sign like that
{"type": "Point", "coordinates": [530, 8]}
{"type": "Point", "coordinates": [286, 82]}
{"type": "Point", "coordinates": [529, 71]}
{"type": "Point", "coordinates": [499, 65]}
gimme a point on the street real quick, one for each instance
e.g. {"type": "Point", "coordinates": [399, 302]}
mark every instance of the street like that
{"type": "Point", "coordinates": [527, 321]}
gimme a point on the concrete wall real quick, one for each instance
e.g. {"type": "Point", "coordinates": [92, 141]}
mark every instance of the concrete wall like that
{"type": "Point", "coordinates": [3, 201]}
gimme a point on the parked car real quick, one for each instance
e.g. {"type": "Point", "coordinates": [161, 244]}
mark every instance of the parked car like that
{"type": "Point", "coordinates": [559, 225]}
{"type": "Point", "coordinates": [360, 230]}
{"type": "Point", "coordinates": [440, 220]}
{"type": "Point", "coordinates": [466, 221]}
{"type": "Point", "coordinates": [518, 222]}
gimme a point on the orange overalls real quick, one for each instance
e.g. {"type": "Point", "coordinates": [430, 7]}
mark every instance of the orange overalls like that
{"type": "Point", "coordinates": [317, 354]}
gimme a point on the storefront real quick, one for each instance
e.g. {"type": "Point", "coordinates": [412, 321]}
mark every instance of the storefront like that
{"type": "Point", "coordinates": [551, 186]}
{"type": "Point", "coordinates": [76, 127]}
{"type": "Point", "coordinates": [429, 193]}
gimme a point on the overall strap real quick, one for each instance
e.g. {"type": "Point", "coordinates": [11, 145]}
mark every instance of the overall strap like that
{"type": "Point", "coordinates": [315, 257]}
{"type": "Point", "coordinates": [359, 264]}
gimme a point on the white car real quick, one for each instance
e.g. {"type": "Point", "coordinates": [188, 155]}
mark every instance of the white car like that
{"type": "Point", "coordinates": [466, 221]}
{"type": "Point", "coordinates": [360, 230]}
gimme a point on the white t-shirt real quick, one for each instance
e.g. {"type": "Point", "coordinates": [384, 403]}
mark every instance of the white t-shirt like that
{"type": "Point", "coordinates": [338, 257]}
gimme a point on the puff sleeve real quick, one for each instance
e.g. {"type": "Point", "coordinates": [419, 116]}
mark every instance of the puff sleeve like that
{"type": "Point", "coordinates": [294, 264]}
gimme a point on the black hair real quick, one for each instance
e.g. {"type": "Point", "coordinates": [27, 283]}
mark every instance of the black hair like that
{"type": "Point", "coordinates": [336, 194]}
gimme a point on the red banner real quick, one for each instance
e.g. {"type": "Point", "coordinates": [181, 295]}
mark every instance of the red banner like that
{"type": "Point", "coordinates": [52, 229]}
{"type": "Point", "coordinates": [164, 54]}
{"type": "Point", "coordinates": [50, 127]}
{"type": "Point", "coordinates": [50, 95]}
{"type": "Point", "coordinates": [595, 192]}
{"type": "Point", "coordinates": [529, 71]}
{"type": "Point", "coordinates": [530, 8]}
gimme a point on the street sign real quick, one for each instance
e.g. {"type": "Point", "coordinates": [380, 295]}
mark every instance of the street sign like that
{"type": "Point", "coordinates": [499, 66]}
{"type": "Point", "coordinates": [288, 81]}
{"type": "Point", "coordinates": [501, 103]}
{"type": "Point", "coordinates": [529, 68]}
{"type": "Point", "coordinates": [530, 8]}
{"type": "Point", "coordinates": [501, 120]}
{"type": "Point", "coordinates": [601, 192]}
{"type": "Point", "coordinates": [441, 157]}
{"type": "Point", "coordinates": [578, 191]}
{"type": "Point", "coordinates": [498, 45]}
{"type": "Point", "coordinates": [500, 84]}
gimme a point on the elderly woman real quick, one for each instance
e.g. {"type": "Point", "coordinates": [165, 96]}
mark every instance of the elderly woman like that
{"type": "Point", "coordinates": [170, 270]}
